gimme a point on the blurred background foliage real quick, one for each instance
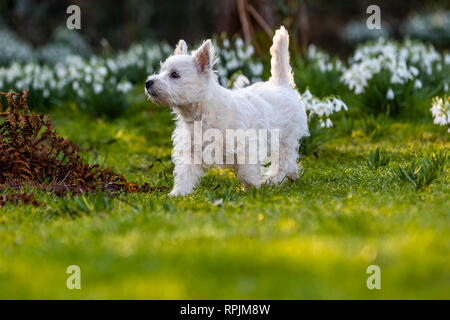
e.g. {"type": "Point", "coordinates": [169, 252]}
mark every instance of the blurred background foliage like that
{"type": "Point", "coordinates": [334, 53]}
{"type": "Point", "coordinates": [325, 23]}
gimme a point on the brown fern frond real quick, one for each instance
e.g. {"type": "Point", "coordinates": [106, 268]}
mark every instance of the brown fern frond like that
{"type": "Point", "coordinates": [33, 154]}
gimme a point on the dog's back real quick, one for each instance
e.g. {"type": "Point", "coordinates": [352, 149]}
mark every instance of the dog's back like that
{"type": "Point", "coordinates": [277, 100]}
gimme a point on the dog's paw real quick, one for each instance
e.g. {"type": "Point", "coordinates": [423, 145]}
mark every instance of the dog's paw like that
{"type": "Point", "coordinates": [274, 179]}
{"type": "Point", "coordinates": [178, 193]}
{"type": "Point", "coordinates": [294, 175]}
{"type": "Point", "coordinates": [174, 193]}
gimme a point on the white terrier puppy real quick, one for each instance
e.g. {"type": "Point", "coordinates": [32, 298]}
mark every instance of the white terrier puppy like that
{"type": "Point", "coordinates": [188, 84]}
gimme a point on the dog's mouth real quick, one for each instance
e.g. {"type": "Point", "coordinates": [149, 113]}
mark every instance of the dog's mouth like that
{"type": "Point", "coordinates": [152, 93]}
{"type": "Point", "coordinates": [155, 96]}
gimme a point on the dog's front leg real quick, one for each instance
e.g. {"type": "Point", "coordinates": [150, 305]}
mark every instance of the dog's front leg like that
{"type": "Point", "coordinates": [186, 177]}
{"type": "Point", "coordinates": [249, 175]}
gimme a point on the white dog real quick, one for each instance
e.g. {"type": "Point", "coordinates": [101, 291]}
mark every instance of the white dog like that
{"type": "Point", "coordinates": [189, 85]}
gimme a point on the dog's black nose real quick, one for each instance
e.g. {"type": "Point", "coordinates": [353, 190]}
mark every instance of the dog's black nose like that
{"type": "Point", "coordinates": [149, 83]}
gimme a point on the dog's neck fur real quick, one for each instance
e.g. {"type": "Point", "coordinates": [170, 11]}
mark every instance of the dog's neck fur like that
{"type": "Point", "coordinates": [193, 112]}
{"type": "Point", "coordinates": [189, 112]}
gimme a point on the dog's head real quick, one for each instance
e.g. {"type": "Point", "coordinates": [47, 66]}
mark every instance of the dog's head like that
{"type": "Point", "coordinates": [183, 78]}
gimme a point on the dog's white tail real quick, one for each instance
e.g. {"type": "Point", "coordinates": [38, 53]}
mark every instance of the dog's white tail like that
{"type": "Point", "coordinates": [279, 64]}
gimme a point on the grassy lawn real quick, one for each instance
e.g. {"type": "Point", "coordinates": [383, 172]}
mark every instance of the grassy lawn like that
{"type": "Point", "coordinates": [309, 239]}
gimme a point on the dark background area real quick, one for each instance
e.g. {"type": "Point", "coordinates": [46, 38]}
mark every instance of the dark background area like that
{"type": "Point", "coordinates": [123, 22]}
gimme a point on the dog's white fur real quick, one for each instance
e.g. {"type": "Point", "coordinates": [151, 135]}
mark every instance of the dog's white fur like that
{"type": "Point", "coordinates": [195, 95]}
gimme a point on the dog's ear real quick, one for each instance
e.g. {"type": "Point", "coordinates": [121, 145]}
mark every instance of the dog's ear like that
{"type": "Point", "coordinates": [181, 47]}
{"type": "Point", "coordinates": [204, 57]}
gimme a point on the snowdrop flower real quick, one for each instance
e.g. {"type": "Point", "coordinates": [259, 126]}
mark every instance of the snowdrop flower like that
{"type": "Point", "coordinates": [390, 94]}
{"type": "Point", "coordinates": [245, 54]}
{"type": "Point", "coordinates": [417, 84]}
{"type": "Point", "coordinates": [241, 81]}
{"type": "Point", "coordinates": [112, 65]}
{"type": "Point", "coordinates": [124, 87]}
{"type": "Point", "coordinates": [102, 71]}
{"type": "Point", "coordinates": [440, 120]}
{"type": "Point", "coordinates": [414, 71]}
{"type": "Point", "coordinates": [232, 58]}
{"type": "Point", "coordinates": [323, 60]}
{"type": "Point", "coordinates": [440, 111]}
{"type": "Point", "coordinates": [166, 49]}
{"type": "Point", "coordinates": [239, 43]}
{"type": "Point", "coordinates": [232, 64]}
{"type": "Point", "coordinates": [256, 68]}
{"type": "Point", "coordinates": [321, 108]}
{"type": "Point", "coordinates": [222, 72]}
{"type": "Point", "coordinates": [447, 58]}
{"type": "Point", "coordinates": [325, 124]}
{"type": "Point", "coordinates": [395, 79]}
{"type": "Point", "coordinates": [339, 105]}
{"type": "Point", "coordinates": [98, 88]}
{"type": "Point", "coordinates": [403, 61]}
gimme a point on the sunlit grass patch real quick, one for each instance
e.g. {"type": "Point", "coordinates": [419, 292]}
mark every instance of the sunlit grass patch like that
{"type": "Point", "coordinates": [311, 238]}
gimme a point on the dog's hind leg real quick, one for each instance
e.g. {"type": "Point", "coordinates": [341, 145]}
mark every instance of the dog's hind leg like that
{"type": "Point", "coordinates": [292, 169]}
{"type": "Point", "coordinates": [287, 163]}
{"type": "Point", "coordinates": [249, 174]}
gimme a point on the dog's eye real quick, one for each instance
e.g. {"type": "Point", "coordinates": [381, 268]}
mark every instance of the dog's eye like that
{"type": "Point", "coordinates": [174, 75]}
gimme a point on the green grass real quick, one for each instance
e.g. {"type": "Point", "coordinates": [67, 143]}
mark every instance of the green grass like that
{"type": "Point", "coordinates": [313, 238]}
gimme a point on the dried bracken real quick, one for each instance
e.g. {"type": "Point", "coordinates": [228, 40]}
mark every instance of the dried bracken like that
{"type": "Point", "coordinates": [33, 154]}
{"type": "Point", "coordinates": [15, 198]}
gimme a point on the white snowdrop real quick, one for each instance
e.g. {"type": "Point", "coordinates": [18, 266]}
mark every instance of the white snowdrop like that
{"type": "Point", "coordinates": [321, 108]}
{"type": "Point", "coordinates": [124, 86]}
{"type": "Point", "coordinates": [256, 68]}
{"type": "Point", "coordinates": [239, 43]}
{"type": "Point", "coordinates": [447, 58]}
{"type": "Point", "coordinates": [98, 88]}
{"type": "Point", "coordinates": [102, 71]}
{"type": "Point", "coordinates": [403, 61]}
{"type": "Point", "coordinates": [390, 94]}
{"type": "Point", "coordinates": [440, 111]}
{"type": "Point", "coordinates": [240, 82]}
{"type": "Point", "coordinates": [418, 84]}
